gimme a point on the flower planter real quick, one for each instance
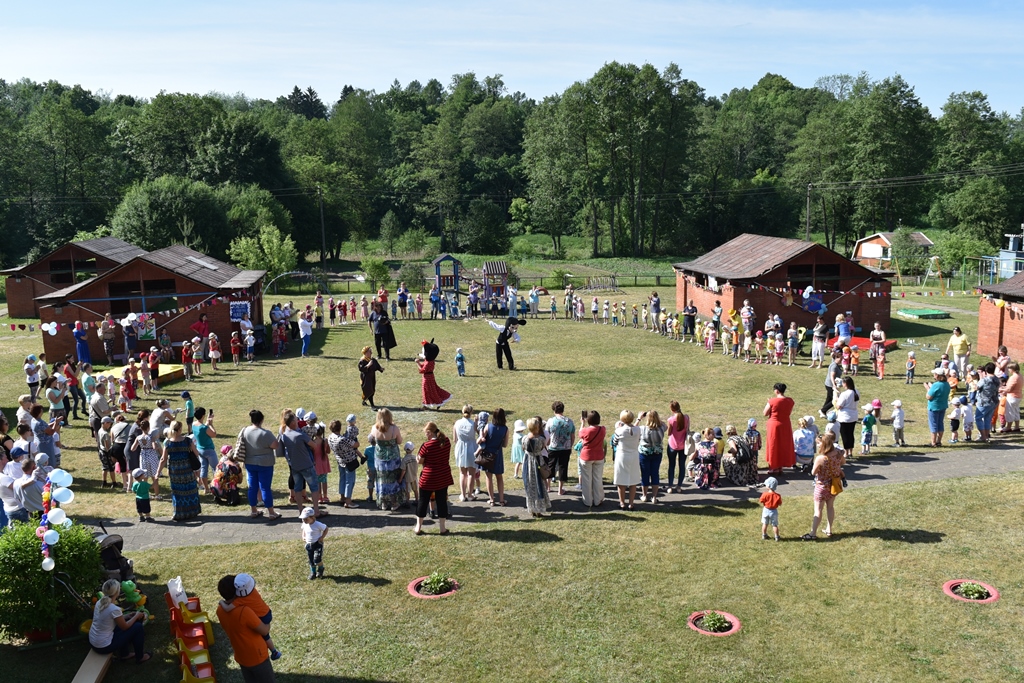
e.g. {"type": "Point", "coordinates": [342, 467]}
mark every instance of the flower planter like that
{"type": "Point", "coordinates": [414, 586]}
{"type": "Point", "coordinates": [734, 624]}
{"type": "Point", "coordinates": [46, 635]}
{"type": "Point", "coordinates": [949, 586]}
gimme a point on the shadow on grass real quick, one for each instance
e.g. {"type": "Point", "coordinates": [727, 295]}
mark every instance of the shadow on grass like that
{"type": "Point", "coordinates": [546, 370]}
{"type": "Point", "coordinates": [901, 535]}
{"type": "Point", "coordinates": [703, 510]}
{"type": "Point", "coordinates": [377, 581]}
{"type": "Point", "coordinates": [514, 535]}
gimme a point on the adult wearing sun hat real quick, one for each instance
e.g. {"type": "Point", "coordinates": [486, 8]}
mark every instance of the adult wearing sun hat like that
{"type": "Point", "coordinates": [938, 404]}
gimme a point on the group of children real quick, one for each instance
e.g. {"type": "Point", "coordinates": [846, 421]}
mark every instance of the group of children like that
{"type": "Point", "coordinates": [192, 352]}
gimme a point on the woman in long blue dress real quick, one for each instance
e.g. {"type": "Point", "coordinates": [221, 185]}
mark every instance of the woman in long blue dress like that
{"type": "Point", "coordinates": [176, 458]}
{"type": "Point", "coordinates": [387, 458]}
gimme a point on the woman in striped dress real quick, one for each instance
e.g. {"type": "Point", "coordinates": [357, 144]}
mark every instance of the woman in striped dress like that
{"type": "Point", "coordinates": [184, 491]}
{"type": "Point", "coordinates": [435, 478]}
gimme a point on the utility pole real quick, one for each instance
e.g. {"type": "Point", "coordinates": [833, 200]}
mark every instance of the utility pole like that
{"type": "Point", "coordinates": [807, 216]}
{"type": "Point", "coordinates": [323, 230]}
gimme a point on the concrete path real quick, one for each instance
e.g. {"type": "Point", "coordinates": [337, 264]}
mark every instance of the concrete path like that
{"type": "Point", "coordinates": [224, 525]}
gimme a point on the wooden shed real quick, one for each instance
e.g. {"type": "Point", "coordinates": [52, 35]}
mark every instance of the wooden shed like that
{"type": "Point", "coordinates": [71, 264]}
{"type": "Point", "coordinates": [495, 278]}
{"type": "Point", "coordinates": [1001, 318]}
{"type": "Point", "coordinates": [774, 272]}
{"type": "Point", "coordinates": [171, 286]}
{"type": "Point", "coordinates": [876, 250]}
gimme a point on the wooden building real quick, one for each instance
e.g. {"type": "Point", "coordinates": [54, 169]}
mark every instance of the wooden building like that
{"type": "Point", "coordinates": [875, 250]}
{"type": "Point", "coordinates": [69, 265]}
{"type": "Point", "coordinates": [773, 273]}
{"type": "Point", "coordinates": [1001, 319]}
{"type": "Point", "coordinates": [171, 286]}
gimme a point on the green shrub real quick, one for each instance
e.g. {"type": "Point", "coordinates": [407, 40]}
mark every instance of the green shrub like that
{"type": "Point", "coordinates": [972, 591]}
{"type": "Point", "coordinates": [28, 599]}
{"type": "Point", "coordinates": [714, 622]}
{"type": "Point", "coordinates": [438, 582]}
{"type": "Point", "coordinates": [412, 274]}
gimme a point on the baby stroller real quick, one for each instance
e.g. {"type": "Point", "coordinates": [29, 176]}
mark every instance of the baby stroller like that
{"type": "Point", "coordinates": [115, 565]}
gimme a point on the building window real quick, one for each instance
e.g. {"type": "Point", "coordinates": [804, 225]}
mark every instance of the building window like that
{"type": "Point", "coordinates": [152, 287]}
{"type": "Point", "coordinates": [122, 296]}
{"type": "Point", "coordinates": [61, 272]}
{"type": "Point", "coordinates": [827, 277]}
{"type": "Point", "coordinates": [800, 276]}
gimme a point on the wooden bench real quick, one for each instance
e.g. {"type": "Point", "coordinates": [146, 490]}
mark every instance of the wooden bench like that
{"type": "Point", "coordinates": [94, 668]}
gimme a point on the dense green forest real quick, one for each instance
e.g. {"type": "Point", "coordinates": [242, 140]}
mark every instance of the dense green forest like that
{"type": "Point", "coordinates": [636, 161]}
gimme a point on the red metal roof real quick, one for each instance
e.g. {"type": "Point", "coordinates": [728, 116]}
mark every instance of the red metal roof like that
{"type": "Point", "coordinates": [747, 256]}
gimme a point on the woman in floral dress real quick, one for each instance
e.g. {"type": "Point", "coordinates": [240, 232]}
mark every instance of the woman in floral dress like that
{"type": "Point", "coordinates": [386, 438]}
{"type": "Point", "coordinates": [184, 491]}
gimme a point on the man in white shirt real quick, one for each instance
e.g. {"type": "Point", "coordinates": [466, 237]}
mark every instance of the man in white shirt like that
{"type": "Point", "coordinates": [99, 407]}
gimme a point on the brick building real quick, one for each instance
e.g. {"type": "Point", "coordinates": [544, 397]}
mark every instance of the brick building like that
{"type": "Point", "coordinates": [167, 285]}
{"type": "Point", "coordinates": [774, 271]}
{"type": "Point", "coordinates": [1001, 325]}
{"type": "Point", "coordinates": [71, 264]}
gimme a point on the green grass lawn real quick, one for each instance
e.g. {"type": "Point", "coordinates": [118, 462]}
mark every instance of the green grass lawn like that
{"type": "Point", "coordinates": [605, 598]}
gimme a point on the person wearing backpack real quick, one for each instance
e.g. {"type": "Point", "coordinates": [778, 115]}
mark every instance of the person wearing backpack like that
{"type": "Point", "coordinates": [740, 459]}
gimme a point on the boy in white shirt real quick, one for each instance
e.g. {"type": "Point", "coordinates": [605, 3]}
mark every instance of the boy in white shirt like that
{"type": "Point", "coordinates": [967, 417]}
{"type": "Point", "coordinates": [313, 535]}
{"type": "Point", "coordinates": [897, 423]}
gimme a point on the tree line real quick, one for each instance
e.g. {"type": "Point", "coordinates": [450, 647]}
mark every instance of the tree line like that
{"type": "Point", "coordinates": [638, 161]}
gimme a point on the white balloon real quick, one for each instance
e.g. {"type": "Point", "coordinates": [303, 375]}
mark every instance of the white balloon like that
{"type": "Point", "coordinates": [67, 523]}
{"type": "Point", "coordinates": [63, 495]}
{"type": "Point", "coordinates": [44, 327]}
{"type": "Point", "coordinates": [132, 317]}
{"type": "Point", "coordinates": [56, 516]}
{"type": "Point", "coordinates": [48, 564]}
{"type": "Point", "coordinates": [51, 537]}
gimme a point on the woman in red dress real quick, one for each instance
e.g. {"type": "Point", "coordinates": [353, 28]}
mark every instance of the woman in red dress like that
{"type": "Point", "coordinates": [779, 451]}
{"type": "Point", "coordinates": [433, 395]}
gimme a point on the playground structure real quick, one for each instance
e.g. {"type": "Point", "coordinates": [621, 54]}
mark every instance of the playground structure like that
{"type": "Point", "coordinates": [447, 281]}
{"type": "Point", "coordinates": [495, 279]}
{"type": "Point", "coordinates": [601, 284]}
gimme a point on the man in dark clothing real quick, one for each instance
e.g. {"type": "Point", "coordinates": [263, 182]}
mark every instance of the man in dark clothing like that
{"type": "Point", "coordinates": [506, 335]}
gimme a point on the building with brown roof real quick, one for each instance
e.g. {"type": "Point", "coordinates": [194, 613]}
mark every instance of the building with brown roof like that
{"type": "Point", "coordinates": [171, 286]}
{"type": "Point", "coordinates": [876, 250]}
{"type": "Point", "coordinates": [773, 273]}
{"type": "Point", "coordinates": [1001, 318]}
{"type": "Point", "coordinates": [71, 264]}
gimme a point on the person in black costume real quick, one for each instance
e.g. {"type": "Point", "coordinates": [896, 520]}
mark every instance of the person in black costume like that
{"type": "Point", "coordinates": [507, 335]}
{"type": "Point", "coordinates": [383, 334]}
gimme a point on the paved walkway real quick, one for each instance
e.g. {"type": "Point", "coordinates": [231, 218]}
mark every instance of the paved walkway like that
{"type": "Point", "coordinates": [223, 525]}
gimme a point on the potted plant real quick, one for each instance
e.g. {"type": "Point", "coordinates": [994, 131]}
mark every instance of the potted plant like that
{"type": "Point", "coordinates": [969, 590]}
{"type": "Point", "coordinates": [438, 585]}
{"type": "Point", "coordinates": [714, 623]}
{"type": "Point", "coordinates": [33, 604]}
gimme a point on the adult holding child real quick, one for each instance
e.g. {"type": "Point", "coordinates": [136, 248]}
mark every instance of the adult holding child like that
{"type": "Point", "coordinates": [938, 404]}
{"type": "Point", "coordinates": [779, 448]}
{"type": "Point", "coordinates": [828, 474]}
{"type": "Point", "coordinates": [248, 634]}
{"type": "Point", "coordinates": [298, 451]}
{"type": "Point", "coordinates": [877, 337]}
{"type": "Point", "coordinates": [844, 331]}
{"type": "Point", "coordinates": [434, 458]}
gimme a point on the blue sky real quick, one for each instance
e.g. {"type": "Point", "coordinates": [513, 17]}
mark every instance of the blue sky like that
{"type": "Point", "coordinates": [264, 48]}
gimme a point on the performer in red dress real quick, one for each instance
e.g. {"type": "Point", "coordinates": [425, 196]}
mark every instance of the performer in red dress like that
{"type": "Point", "coordinates": [779, 451]}
{"type": "Point", "coordinates": [433, 395]}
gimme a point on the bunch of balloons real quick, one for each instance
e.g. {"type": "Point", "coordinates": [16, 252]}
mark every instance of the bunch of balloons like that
{"type": "Point", "coordinates": [50, 328]}
{"type": "Point", "coordinates": [55, 490]}
{"type": "Point", "coordinates": [821, 310]}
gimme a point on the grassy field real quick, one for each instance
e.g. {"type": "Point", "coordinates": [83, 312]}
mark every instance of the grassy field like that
{"type": "Point", "coordinates": [585, 366]}
{"type": "Point", "coordinates": [605, 598]}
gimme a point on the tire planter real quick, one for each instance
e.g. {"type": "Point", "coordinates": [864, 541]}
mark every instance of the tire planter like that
{"type": "Point", "coordinates": [734, 623]}
{"type": "Point", "coordinates": [414, 589]}
{"type": "Point", "coordinates": [949, 586]}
